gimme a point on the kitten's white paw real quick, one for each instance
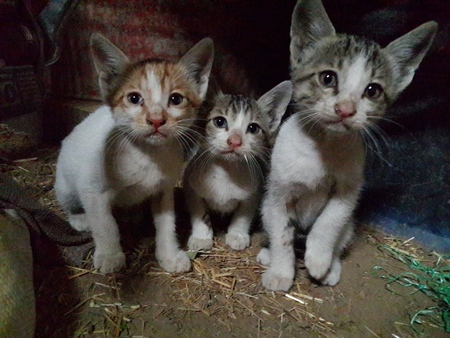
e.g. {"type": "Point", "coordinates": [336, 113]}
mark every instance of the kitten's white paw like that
{"type": "Point", "coordinates": [318, 264]}
{"type": "Point", "coordinates": [195, 243]}
{"type": "Point", "coordinates": [264, 257]}
{"type": "Point", "coordinates": [276, 282]}
{"type": "Point", "coordinates": [79, 222]}
{"type": "Point", "coordinates": [178, 263]}
{"type": "Point", "coordinates": [334, 275]}
{"type": "Point", "coordinates": [108, 263]}
{"type": "Point", "coordinates": [237, 240]}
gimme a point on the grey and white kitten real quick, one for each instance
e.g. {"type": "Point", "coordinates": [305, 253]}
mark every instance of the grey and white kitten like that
{"type": "Point", "coordinates": [342, 87]}
{"type": "Point", "coordinates": [130, 149]}
{"type": "Point", "coordinates": [226, 175]}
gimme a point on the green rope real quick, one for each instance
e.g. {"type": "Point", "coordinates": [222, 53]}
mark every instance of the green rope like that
{"type": "Point", "coordinates": [433, 282]}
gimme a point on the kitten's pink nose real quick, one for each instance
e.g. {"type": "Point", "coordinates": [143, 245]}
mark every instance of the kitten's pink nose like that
{"type": "Point", "coordinates": [234, 141]}
{"type": "Point", "coordinates": [345, 109]}
{"type": "Point", "coordinates": [156, 123]}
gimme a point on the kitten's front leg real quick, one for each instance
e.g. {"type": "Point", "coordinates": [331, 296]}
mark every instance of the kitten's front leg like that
{"type": "Point", "coordinates": [168, 253]}
{"type": "Point", "coordinates": [328, 236]}
{"type": "Point", "coordinates": [238, 237]}
{"type": "Point", "coordinates": [202, 233]}
{"type": "Point", "coordinates": [108, 254]}
{"type": "Point", "coordinates": [280, 275]}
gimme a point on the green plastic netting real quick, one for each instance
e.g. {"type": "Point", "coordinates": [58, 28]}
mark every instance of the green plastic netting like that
{"type": "Point", "coordinates": [433, 281]}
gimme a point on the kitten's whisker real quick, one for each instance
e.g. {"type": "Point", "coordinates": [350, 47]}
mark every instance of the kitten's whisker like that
{"type": "Point", "coordinates": [310, 119]}
{"type": "Point", "coordinates": [265, 153]}
{"type": "Point", "coordinates": [127, 138]}
{"type": "Point", "coordinates": [117, 138]}
{"type": "Point", "coordinates": [202, 154]}
{"type": "Point", "coordinates": [382, 134]}
{"type": "Point", "coordinates": [190, 142]}
{"type": "Point", "coordinates": [189, 136]}
{"type": "Point", "coordinates": [372, 139]}
{"type": "Point", "coordinates": [386, 119]}
{"type": "Point", "coordinates": [377, 130]}
{"type": "Point", "coordinates": [185, 145]}
{"type": "Point", "coordinates": [248, 166]}
{"type": "Point", "coordinates": [317, 119]}
{"type": "Point", "coordinates": [113, 135]}
{"type": "Point", "coordinates": [206, 162]}
{"type": "Point", "coordinates": [184, 140]}
{"type": "Point", "coordinates": [192, 133]}
{"type": "Point", "coordinates": [252, 164]}
{"type": "Point", "coordinates": [256, 168]}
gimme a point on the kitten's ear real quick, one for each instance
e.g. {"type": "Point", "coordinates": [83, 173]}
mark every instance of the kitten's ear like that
{"type": "Point", "coordinates": [198, 62]}
{"type": "Point", "coordinates": [310, 23]}
{"type": "Point", "coordinates": [275, 102]}
{"type": "Point", "coordinates": [409, 50]}
{"type": "Point", "coordinates": [213, 89]}
{"type": "Point", "coordinates": [109, 61]}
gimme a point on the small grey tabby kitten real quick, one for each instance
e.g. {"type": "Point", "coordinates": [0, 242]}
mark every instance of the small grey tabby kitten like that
{"type": "Point", "coordinates": [227, 173]}
{"type": "Point", "coordinates": [342, 87]}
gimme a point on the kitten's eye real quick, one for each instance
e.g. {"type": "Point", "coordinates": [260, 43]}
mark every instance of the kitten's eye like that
{"type": "Point", "coordinates": [135, 98]}
{"type": "Point", "coordinates": [373, 91]}
{"type": "Point", "coordinates": [328, 78]}
{"type": "Point", "coordinates": [220, 122]}
{"type": "Point", "coordinates": [253, 128]}
{"type": "Point", "coordinates": [176, 99]}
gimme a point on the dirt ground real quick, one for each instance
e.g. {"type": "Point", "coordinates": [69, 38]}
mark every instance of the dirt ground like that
{"type": "Point", "coordinates": [222, 296]}
{"type": "Point", "coordinates": [146, 302]}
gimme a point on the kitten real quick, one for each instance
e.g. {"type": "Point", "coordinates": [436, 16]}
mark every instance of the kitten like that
{"type": "Point", "coordinates": [342, 86]}
{"type": "Point", "coordinates": [226, 175]}
{"type": "Point", "coordinates": [132, 148]}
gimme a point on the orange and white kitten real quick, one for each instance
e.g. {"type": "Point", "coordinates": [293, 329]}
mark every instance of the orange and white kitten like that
{"type": "Point", "coordinates": [131, 148]}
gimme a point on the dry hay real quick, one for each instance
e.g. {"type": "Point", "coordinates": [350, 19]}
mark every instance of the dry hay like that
{"type": "Point", "coordinates": [227, 284]}
{"type": "Point", "coordinates": [223, 284]}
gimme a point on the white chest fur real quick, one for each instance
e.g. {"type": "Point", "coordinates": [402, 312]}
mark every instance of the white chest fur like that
{"type": "Point", "coordinates": [298, 157]}
{"type": "Point", "coordinates": [137, 173]}
{"type": "Point", "coordinates": [222, 185]}
{"type": "Point", "coordinates": [306, 169]}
